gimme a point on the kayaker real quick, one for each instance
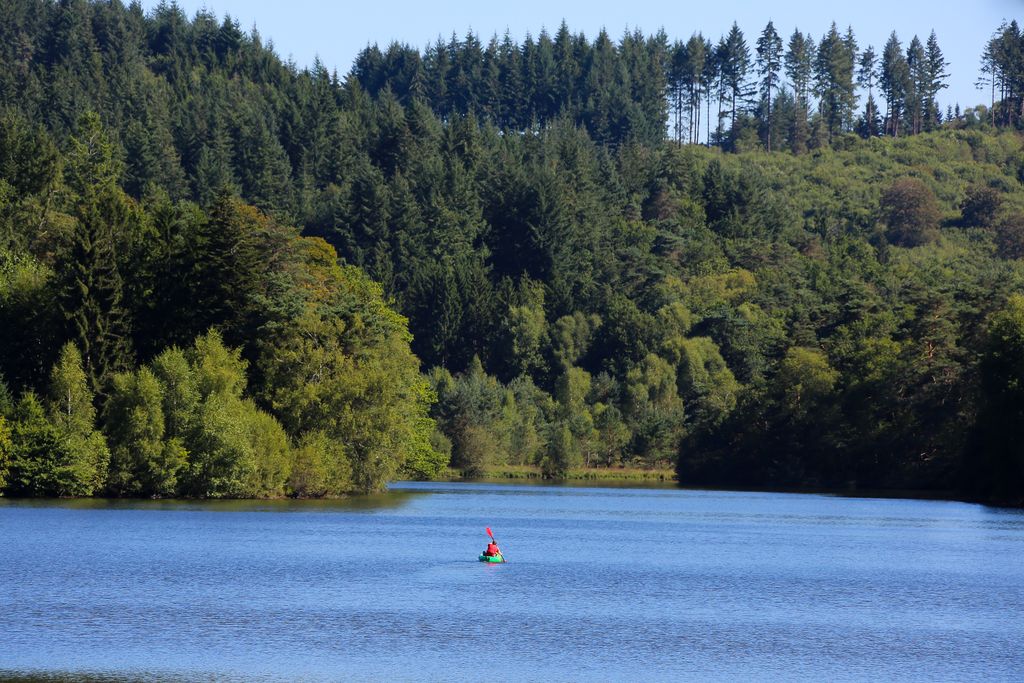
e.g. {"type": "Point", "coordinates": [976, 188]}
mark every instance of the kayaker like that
{"type": "Point", "coordinates": [492, 549]}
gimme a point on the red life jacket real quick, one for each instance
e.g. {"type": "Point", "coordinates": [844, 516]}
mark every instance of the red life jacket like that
{"type": "Point", "coordinates": [492, 550]}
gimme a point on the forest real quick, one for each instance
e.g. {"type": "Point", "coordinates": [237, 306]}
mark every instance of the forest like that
{"type": "Point", "coordinates": [226, 275]}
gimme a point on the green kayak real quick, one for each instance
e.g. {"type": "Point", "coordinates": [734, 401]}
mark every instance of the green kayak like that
{"type": "Point", "coordinates": [492, 558]}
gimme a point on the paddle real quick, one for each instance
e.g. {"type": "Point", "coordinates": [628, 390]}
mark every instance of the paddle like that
{"type": "Point", "coordinates": [495, 543]}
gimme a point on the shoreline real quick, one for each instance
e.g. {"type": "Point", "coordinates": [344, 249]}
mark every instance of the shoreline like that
{"type": "Point", "coordinates": [619, 477]}
{"type": "Point", "coordinates": [658, 479]}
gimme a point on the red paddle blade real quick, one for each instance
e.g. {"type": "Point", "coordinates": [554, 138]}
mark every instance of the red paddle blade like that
{"type": "Point", "coordinates": [489, 533]}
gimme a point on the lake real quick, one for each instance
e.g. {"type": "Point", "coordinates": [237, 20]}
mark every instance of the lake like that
{"type": "Point", "coordinates": [601, 584]}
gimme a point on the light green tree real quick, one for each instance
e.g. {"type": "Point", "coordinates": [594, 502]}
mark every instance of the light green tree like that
{"type": "Point", "coordinates": [84, 456]}
{"type": "Point", "coordinates": [319, 467]}
{"type": "Point", "coordinates": [655, 411]}
{"type": "Point", "coordinates": [804, 380]}
{"type": "Point", "coordinates": [563, 452]}
{"type": "Point", "coordinates": [34, 450]}
{"type": "Point", "coordinates": [571, 391]}
{"type": "Point", "coordinates": [143, 462]}
{"type": "Point", "coordinates": [5, 452]}
{"type": "Point", "coordinates": [179, 391]}
{"type": "Point", "coordinates": [705, 382]}
{"type": "Point", "coordinates": [340, 363]}
{"type": "Point", "coordinates": [235, 450]}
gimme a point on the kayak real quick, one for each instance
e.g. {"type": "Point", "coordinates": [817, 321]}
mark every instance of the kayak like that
{"type": "Point", "coordinates": [492, 558]}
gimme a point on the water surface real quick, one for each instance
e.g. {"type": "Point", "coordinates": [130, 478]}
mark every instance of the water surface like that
{"type": "Point", "coordinates": [603, 584]}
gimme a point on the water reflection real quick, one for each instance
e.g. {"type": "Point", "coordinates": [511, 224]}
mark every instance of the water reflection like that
{"type": "Point", "coordinates": [391, 499]}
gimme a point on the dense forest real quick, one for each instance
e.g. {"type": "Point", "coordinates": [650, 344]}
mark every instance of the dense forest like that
{"type": "Point", "coordinates": [226, 275]}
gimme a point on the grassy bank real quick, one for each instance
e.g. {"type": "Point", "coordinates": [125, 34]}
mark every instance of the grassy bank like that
{"type": "Point", "coordinates": [531, 472]}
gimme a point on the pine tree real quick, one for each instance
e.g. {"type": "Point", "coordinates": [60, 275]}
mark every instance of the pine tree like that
{"type": "Point", "coordinates": [514, 96]}
{"type": "Point", "coordinates": [894, 81]}
{"type": "Point", "coordinates": [735, 66]}
{"type": "Point", "coordinates": [866, 75]}
{"type": "Point", "coordinates": [709, 76]}
{"type": "Point", "coordinates": [834, 80]}
{"type": "Point", "coordinates": [697, 57]}
{"type": "Point", "coordinates": [92, 296]}
{"type": "Point", "coordinates": [918, 85]}
{"type": "Point", "coordinates": [678, 89]}
{"type": "Point", "coordinates": [769, 62]}
{"type": "Point", "coordinates": [1005, 56]}
{"type": "Point", "coordinates": [935, 70]}
{"type": "Point", "coordinates": [989, 74]}
{"type": "Point", "coordinates": [799, 66]}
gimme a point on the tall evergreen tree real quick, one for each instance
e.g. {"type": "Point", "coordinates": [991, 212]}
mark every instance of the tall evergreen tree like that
{"type": "Point", "coordinates": [709, 77]}
{"type": "Point", "coordinates": [697, 52]}
{"type": "Point", "coordinates": [866, 75]}
{"type": "Point", "coordinates": [677, 89]}
{"type": "Point", "coordinates": [918, 85]}
{"type": "Point", "coordinates": [769, 63]}
{"type": "Point", "coordinates": [834, 80]}
{"type": "Point", "coordinates": [735, 66]}
{"type": "Point", "coordinates": [799, 66]}
{"type": "Point", "coordinates": [1003, 68]}
{"type": "Point", "coordinates": [92, 288]}
{"type": "Point", "coordinates": [935, 77]}
{"type": "Point", "coordinates": [894, 81]}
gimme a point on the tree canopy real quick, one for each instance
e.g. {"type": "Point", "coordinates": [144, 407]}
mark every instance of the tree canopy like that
{"type": "Point", "coordinates": [223, 275]}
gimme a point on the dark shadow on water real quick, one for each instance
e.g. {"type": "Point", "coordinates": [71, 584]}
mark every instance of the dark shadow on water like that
{"type": "Point", "coordinates": [565, 483]}
{"type": "Point", "coordinates": [390, 499]}
{"type": "Point", "coordinates": [114, 677]}
{"type": "Point", "coordinates": [402, 492]}
{"type": "Point", "coordinates": [849, 492]}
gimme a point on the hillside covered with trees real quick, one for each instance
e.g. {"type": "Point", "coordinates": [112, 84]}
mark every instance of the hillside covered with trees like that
{"type": "Point", "coordinates": [225, 275]}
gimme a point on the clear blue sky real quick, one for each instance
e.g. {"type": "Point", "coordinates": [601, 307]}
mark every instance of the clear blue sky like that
{"type": "Point", "coordinates": [336, 31]}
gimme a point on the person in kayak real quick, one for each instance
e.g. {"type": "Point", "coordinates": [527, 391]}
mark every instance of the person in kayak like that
{"type": "Point", "coordinates": [492, 549]}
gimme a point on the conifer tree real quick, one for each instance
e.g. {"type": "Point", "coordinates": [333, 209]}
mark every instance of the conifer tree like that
{"type": "Point", "coordinates": [866, 75]}
{"type": "Point", "coordinates": [918, 85]}
{"type": "Point", "coordinates": [709, 76]}
{"type": "Point", "coordinates": [894, 81]}
{"type": "Point", "coordinates": [769, 63]}
{"type": "Point", "coordinates": [735, 67]}
{"type": "Point", "coordinates": [799, 66]}
{"type": "Point", "coordinates": [677, 88]}
{"type": "Point", "coordinates": [834, 80]}
{"type": "Point", "coordinates": [696, 53]}
{"type": "Point", "coordinates": [92, 288]}
{"type": "Point", "coordinates": [935, 70]}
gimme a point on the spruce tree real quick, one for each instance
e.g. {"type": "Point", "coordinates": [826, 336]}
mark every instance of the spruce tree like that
{"type": "Point", "coordinates": [799, 66]}
{"type": "Point", "coordinates": [709, 76]}
{"type": "Point", "coordinates": [918, 85]}
{"type": "Point", "coordinates": [735, 67]}
{"type": "Point", "coordinates": [866, 75]}
{"type": "Point", "coordinates": [894, 81]}
{"type": "Point", "coordinates": [834, 80]}
{"type": "Point", "coordinates": [935, 76]}
{"type": "Point", "coordinates": [92, 290]}
{"type": "Point", "coordinates": [697, 56]}
{"type": "Point", "coordinates": [769, 62]}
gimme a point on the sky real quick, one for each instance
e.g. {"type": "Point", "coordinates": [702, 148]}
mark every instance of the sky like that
{"type": "Point", "coordinates": [302, 30]}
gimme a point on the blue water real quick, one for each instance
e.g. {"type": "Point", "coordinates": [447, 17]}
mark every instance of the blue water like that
{"type": "Point", "coordinates": [601, 584]}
